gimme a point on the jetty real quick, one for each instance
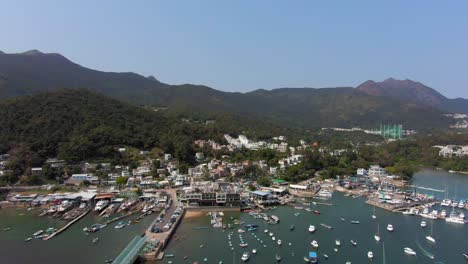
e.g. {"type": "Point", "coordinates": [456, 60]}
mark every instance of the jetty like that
{"type": "Point", "coordinates": [67, 225]}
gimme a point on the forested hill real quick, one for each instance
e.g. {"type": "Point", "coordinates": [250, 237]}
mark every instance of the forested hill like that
{"type": "Point", "coordinates": [35, 72]}
{"type": "Point", "coordinates": [80, 124]}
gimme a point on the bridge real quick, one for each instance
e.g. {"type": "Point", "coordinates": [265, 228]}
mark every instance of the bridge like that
{"type": "Point", "coordinates": [130, 253]}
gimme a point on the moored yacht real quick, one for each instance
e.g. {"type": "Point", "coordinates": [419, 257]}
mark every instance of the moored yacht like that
{"type": "Point", "coordinates": [101, 205]}
{"type": "Point", "coordinates": [337, 242]}
{"type": "Point", "coordinates": [311, 228]}
{"type": "Point", "coordinates": [370, 255]}
{"type": "Point", "coordinates": [423, 224]}
{"type": "Point", "coordinates": [446, 202]}
{"type": "Point", "coordinates": [314, 244]}
{"type": "Point", "coordinates": [409, 251]}
{"type": "Point", "coordinates": [390, 228]}
{"type": "Point", "coordinates": [245, 257]}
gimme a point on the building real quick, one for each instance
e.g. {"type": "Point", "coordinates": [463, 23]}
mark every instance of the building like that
{"type": "Point", "coordinates": [377, 171]}
{"type": "Point", "coordinates": [83, 177]}
{"type": "Point", "coordinates": [361, 172]}
{"type": "Point", "coordinates": [211, 194]}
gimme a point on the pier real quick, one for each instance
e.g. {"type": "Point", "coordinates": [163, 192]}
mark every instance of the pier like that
{"type": "Point", "coordinates": [67, 225]}
{"type": "Point", "coordinates": [131, 251]}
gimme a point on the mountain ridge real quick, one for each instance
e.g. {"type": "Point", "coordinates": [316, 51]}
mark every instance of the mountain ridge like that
{"type": "Point", "coordinates": [305, 107]}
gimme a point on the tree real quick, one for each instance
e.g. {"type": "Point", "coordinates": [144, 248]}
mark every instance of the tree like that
{"type": "Point", "coordinates": [121, 181]}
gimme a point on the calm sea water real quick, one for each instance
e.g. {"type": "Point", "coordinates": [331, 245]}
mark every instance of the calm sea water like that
{"type": "Point", "coordinates": [73, 246]}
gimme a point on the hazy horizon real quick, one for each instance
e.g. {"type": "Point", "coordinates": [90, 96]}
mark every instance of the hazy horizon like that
{"type": "Point", "coordinates": [246, 46]}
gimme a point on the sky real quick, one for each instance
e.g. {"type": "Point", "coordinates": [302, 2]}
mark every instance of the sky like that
{"type": "Point", "coordinates": [246, 45]}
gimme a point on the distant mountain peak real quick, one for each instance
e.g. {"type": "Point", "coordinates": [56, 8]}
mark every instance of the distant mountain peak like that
{"type": "Point", "coordinates": [32, 52]}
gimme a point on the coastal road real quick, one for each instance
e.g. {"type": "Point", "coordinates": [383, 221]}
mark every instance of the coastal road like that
{"type": "Point", "coordinates": [166, 219]}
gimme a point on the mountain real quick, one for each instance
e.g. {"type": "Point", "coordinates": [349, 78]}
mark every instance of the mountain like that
{"type": "Point", "coordinates": [36, 72]}
{"type": "Point", "coordinates": [414, 92]}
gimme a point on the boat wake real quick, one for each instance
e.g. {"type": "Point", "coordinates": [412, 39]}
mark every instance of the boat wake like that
{"type": "Point", "coordinates": [427, 188]}
{"type": "Point", "coordinates": [425, 252]}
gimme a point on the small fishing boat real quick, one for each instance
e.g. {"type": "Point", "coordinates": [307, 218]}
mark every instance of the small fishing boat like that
{"type": "Point", "coordinates": [313, 258]}
{"type": "Point", "coordinates": [311, 228]}
{"type": "Point", "coordinates": [278, 258]}
{"type": "Point", "coordinates": [38, 233]}
{"type": "Point", "coordinates": [314, 244]}
{"type": "Point", "coordinates": [390, 228]}
{"type": "Point", "coordinates": [337, 242]}
{"type": "Point", "coordinates": [28, 239]}
{"type": "Point", "coordinates": [243, 245]}
{"type": "Point", "coordinates": [409, 251]}
{"type": "Point", "coordinates": [291, 227]}
{"type": "Point", "coordinates": [245, 256]}
{"type": "Point", "coordinates": [354, 222]}
{"type": "Point", "coordinates": [370, 255]}
{"type": "Point", "coordinates": [423, 224]}
{"type": "Point", "coordinates": [354, 243]}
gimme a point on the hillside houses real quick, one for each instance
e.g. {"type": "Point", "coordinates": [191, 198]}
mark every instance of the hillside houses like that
{"type": "Point", "coordinates": [453, 151]}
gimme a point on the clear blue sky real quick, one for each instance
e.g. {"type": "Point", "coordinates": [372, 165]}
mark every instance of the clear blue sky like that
{"type": "Point", "coordinates": [246, 45]}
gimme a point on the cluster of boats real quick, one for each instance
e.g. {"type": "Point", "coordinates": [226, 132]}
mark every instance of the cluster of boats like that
{"type": "Point", "coordinates": [41, 234]}
{"type": "Point", "coordinates": [453, 217]}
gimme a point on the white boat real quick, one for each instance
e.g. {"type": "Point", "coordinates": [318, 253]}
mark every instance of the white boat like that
{"type": "Point", "coordinates": [377, 235]}
{"type": "Point", "coordinates": [265, 231]}
{"type": "Point", "coordinates": [335, 249]}
{"type": "Point", "coordinates": [373, 215]}
{"type": "Point", "coordinates": [314, 244]}
{"type": "Point", "coordinates": [409, 251]}
{"type": "Point", "coordinates": [443, 214]}
{"type": "Point", "coordinates": [279, 242]}
{"type": "Point", "coordinates": [37, 233]}
{"type": "Point", "coordinates": [245, 256]}
{"type": "Point", "coordinates": [423, 224]}
{"type": "Point", "coordinates": [273, 238]}
{"type": "Point", "coordinates": [101, 205]}
{"type": "Point", "coordinates": [311, 228]}
{"type": "Point", "coordinates": [28, 239]}
{"type": "Point", "coordinates": [370, 255]}
{"type": "Point", "coordinates": [454, 218]}
{"type": "Point", "coordinates": [271, 233]}
{"type": "Point", "coordinates": [354, 243]}
{"type": "Point", "coordinates": [390, 228]}
{"type": "Point", "coordinates": [431, 237]}
{"type": "Point", "coordinates": [254, 251]}
{"type": "Point", "coordinates": [461, 204]}
{"type": "Point", "coordinates": [446, 202]}
{"type": "Point", "coordinates": [337, 242]}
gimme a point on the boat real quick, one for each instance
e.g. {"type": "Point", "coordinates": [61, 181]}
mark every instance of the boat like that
{"type": "Point", "coordinates": [454, 218]}
{"type": "Point", "coordinates": [446, 202]}
{"type": "Point", "coordinates": [28, 239]}
{"type": "Point", "coordinates": [101, 205]}
{"type": "Point", "coordinates": [461, 204]}
{"type": "Point", "coordinates": [313, 258]}
{"type": "Point", "coordinates": [38, 233]}
{"type": "Point", "coordinates": [94, 228]}
{"type": "Point", "coordinates": [326, 226]}
{"type": "Point", "coordinates": [271, 234]}
{"type": "Point", "coordinates": [370, 255]}
{"type": "Point", "coordinates": [409, 251]}
{"type": "Point", "coordinates": [254, 251]}
{"type": "Point", "coordinates": [390, 228]}
{"type": "Point", "coordinates": [354, 243]}
{"type": "Point", "coordinates": [354, 222]}
{"type": "Point", "coordinates": [120, 225]}
{"type": "Point", "coordinates": [245, 256]}
{"type": "Point", "coordinates": [265, 231]}
{"type": "Point", "coordinates": [335, 249]}
{"type": "Point", "coordinates": [6, 228]}
{"type": "Point", "coordinates": [278, 258]}
{"type": "Point", "coordinates": [423, 224]}
{"type": "Point", "coordinates": [311, 228]}
{"type": "Point", "coordinates": [291, 227]}
{"type": "Point", "coordinates": [431, 237]}
{"type": "Point", "coordinates": [273, 238]}
{"type": "Point", "coordinates": [275, 218]}
{"type": "Point", "coordinates": [337, 242]}
{"type": "Point", "coordinates": [252, 228]}
{"type": "Point", "coordinates": [377, 235]}
{"type": "Point", "coordinates": [325, 256]}
{"type": "Point", "coordinates": [109, 261]}
{"type": "Point", "coordinates": [465, 255]}
{"type": "Point", "coordinates": [316, 212]}
{"type": "Point", "coordinates": [96, 239]}
{"type": "Point", "coordinates": [243, 245]}
{"type": "Point", "coordinates": [314, 244]}
{"type": "Point", "coordinates": [373, 215]}
{"type": "Point", "coordinates": [279, 242]}
{"type": "Point", "coordinates": [240, 231]}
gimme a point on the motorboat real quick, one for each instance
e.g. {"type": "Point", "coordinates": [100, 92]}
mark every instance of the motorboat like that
{"type": "Point", "coordinates": [101, 205]}
{"type": "Point", "coordinates": [265, 231]}
{"type": "Point", "coordinates": [354, 243]}
{"type": "Point", "coordinates": [370, 255]}
{"type": "Point", "coordinates": [38, 233]}
{"type": "Point", "coordinates": [325, 256]}
{"type": "Point", "coordinates": [314, 244]}
{"type": "Point", "coordinates": [446, 202]}
{"type": "Point", "coordinates": [335, 249]}
{"type": "Point", "coordinates": [461, 204]}
{"type": "Point", "coordinates": [273, 238]}
{"type": "Point", "coordinates": [254, 251]}
{"type": "Point", "coordinates": [279, 242]}
{"type": "Point", "coordinates": [337, 242]}
{"type": "Point", "coordinates": [278, 258]}
{"type": "Point", "coordinates": [354, 222]}
{"type": "Point", "coordinates": [120, 225]}
{"type": "Point", "coordinates": [243, 245]}
{"type": "Point", "coordinates": [423, 224]}
{"type": "Point", "coordinates": [271, 234]}
{"type": "Point", "coordinates": [313, 258]}
{"type": "Point", "coordinates": [245, 257]}
{"type": "Point", "coordinates": [409, 251]}
{"type": "Point", "coordinates": [316, 212]}
{"type": "Point", "coordinates": [311, 228]}
{"type": "Point", "coordinates": [454, 218]}
{"type": "Point", "coordinates": [390, 228]}
{"type": "Point", "coordinates": [28, 239]}
{"type": "Point", "coordinates": [431, 239]}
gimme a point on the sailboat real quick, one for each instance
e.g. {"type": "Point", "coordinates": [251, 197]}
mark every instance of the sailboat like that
{"type": "Point", "coordinates": [377, 235]}
{"type": "Point", "coordinates": [431, 237]}
{"type": "Point", "coordinates": [373, 215]}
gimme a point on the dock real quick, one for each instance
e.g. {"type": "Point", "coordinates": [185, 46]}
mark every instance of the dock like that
{"type": "Point", "coordinates": [67, 225]}
{"type": "Point", "coordinates": [130, 253]}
